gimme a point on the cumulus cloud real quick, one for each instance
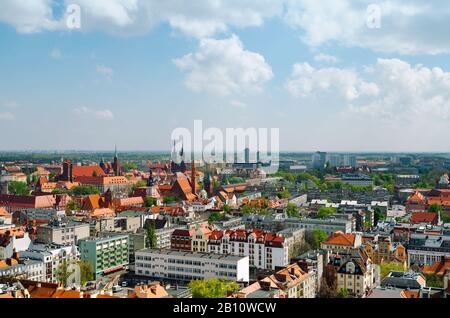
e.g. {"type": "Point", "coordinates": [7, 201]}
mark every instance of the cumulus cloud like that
{"type": "Point", "coordinates": [29, 16]}
{"type": "Point", "coordinates": [104, 114]}
{"type": "Point", "coordinates": [411, 27]}
{"type": "Point", "coordinates": [106, 71]}
{"type": "Point", "coordinates": [407, 27]}
{"type": "Point", "coordinates": [306, 81]}
{"type": "Point", "coordinates": [392, 90]}
{"type": "Point", "coordinates": [224, 67]}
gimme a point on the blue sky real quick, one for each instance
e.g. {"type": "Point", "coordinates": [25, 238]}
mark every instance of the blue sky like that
{"type": "Point", "coordinates": [136, 70]}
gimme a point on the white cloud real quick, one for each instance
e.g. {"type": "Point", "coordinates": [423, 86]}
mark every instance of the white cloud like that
{"type": "Point", "coordinates": [407, 93]}
{"type": "Point", "coordinates": [28, 16]}
{"type": "Point", "coordinates": [201, 18]}
{"type": "Point", "coordinates": [56, 54]}
{"type": "Point", "coordinates": [392, 90]}
{"type": "Point", "coordinates": [411, 27]}
{"type": "Point", "coordinates": [306, 81]}
{"type": "Point", "coordinates": [104, 114]}
{"type": "Point", "coordinates": [325, 58]}
{"type": "Point", "coordinates": [407, 27]}
{"type": "Point", "coordinates": [106, 71]}
{"type": "Point", "coordinates": [224, 67]}
{"type": "Point", "coordinates": [6, 116]}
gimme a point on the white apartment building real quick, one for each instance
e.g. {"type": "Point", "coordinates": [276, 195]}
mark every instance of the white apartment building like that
{"type": "Point", "coordinates": [329, 225]}
{"type": "Point", "coordinates": [52, 256]}
{"type": "Point", "coordinates": [427, 249]}
{"type": "Point", "coordinates": [26, 269]}
{"type": "Point", "coordinates": [265, 250]}
{"type": "Point", "coordinates": [187, 266]}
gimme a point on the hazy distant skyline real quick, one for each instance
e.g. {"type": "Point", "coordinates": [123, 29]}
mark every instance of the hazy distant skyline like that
{"type": "Point", "coordinates": [137, 69]}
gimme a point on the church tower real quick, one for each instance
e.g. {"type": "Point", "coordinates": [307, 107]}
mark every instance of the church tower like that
{"type": "Point", "coordinates": [116, 164]}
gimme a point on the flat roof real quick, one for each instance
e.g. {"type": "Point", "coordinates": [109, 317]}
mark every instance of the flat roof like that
{"type": "Point", "coordinates": [192, 254]}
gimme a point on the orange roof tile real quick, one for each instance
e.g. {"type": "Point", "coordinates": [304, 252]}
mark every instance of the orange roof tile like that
{"type": "Point", "coordinates": [340, 238]}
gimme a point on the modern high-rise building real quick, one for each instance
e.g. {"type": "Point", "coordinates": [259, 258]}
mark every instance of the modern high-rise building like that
{"type": "Point", "coordinates": [319, 160]}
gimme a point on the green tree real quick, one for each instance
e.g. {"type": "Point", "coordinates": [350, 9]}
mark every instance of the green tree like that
{"type": "Point", "coordinates": [18, 188]}
{"type": "Point", "coordinates": [150, 239]}
{"type": "Point", "coordinates": [378, 215]}
{"type": "Point", "coordinates": [212, 288]}
{"type": "Point", "coordinates": [284, 194]}
{"type": "Point", "coordinates": [63, 273]}
{"type": "Point", "coordinates": [86, 272]}
{"type": "Point", "coordinates": [84, 190]}
{"type": "Point", "coordinates": [215, 216]}
{"type": "Point", "coordinates": [72, 206]}
{"type": "Point", "coordinates": [386, 268]}
{"type": "Point", "coordinates": [434, 280]}
{"type": "Point", "coordinates": [316, 237]}
{"type": "Point", "coordinates": [129, 166]}
{"type": "Point", "coordinates": [343, 293]}
{"type": "Point", "coordinates": [139, 184]}
{"type": "Point", "coordinates": [227, 209]}
{"type": "Point", "coordinates": [169, 199]}
{"type": "Point", "coordinates": [324, 212]}
{"type": "Point", "coordinates": [247, 209]}
{"type": "Point", "coordinates": [435, 208]}
{"type": "Point", "coordinates": [149, 202]}
{"type": "Point", "coordinates": [292, 211]}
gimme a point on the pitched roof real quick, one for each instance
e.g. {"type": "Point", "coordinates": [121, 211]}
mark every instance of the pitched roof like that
{"type": "Point", "coordinates": [439, 268]}
{"type": "Point", "coordinates": [424, 217]}
{"type": "Point", "coordinates": [98, 213]}
{"type": "Point", "coordinates": [417, 197]}
{"type": "Point", "coordinates": [128, 201]}
{"type": "Point", "coordinates": [87, 171]}
{"type": "Point", "coordinates": [340, 238]}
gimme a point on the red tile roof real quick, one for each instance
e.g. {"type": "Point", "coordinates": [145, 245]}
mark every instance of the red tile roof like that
{"type": "Point", "coordinates": [425, 217]}
{"type": "Point", "coordinates": [87, 171]}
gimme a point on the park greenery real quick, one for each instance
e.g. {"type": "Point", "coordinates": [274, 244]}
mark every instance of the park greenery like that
{"type": "Point", "coordinates": [212, 288]}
